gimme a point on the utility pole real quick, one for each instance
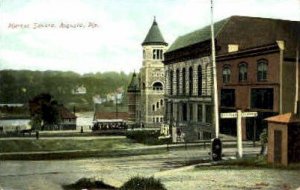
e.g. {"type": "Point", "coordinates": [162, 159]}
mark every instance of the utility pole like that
{"type": "Point", "coordinates": [297, 79]}
{"type": "Point", "coordinates": [214, 68]}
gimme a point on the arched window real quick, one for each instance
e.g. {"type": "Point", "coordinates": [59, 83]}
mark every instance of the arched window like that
{"type": "Point", "coordinates": [262, 70]}
{"type": "Point", "coordinates": [157, 105]}
{"type": "Point", "coordinates": [191, 81]}
{"type": "Point", "coordinates": [226, 74]}
{"type": "Point", "coordinates": [157, 86]}
{"type": "Point", "coordinates": [161, 102]}
{"type": "Point", "coordinates": [153, 107]}
{"type": "Point", "coordinates": [177, 81]}
{"type": "Point", "coordinates": [171, 82]}
{"type": "Point", "coordinates": [199, 80]}
{"type": "Point", "coordinates": [183, 81]}
{"type": "Point", "coordinates": [243, 69]}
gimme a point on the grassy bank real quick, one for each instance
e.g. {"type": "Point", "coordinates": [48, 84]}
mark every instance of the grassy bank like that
{"type": "Point", "coordinates": [65, 155]}
{"type": "Point", "coordinates": [51, 149]}
{"type": "Point", "coordinates": [33, 145]}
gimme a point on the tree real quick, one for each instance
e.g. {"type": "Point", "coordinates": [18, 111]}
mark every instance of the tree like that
{"type": "Point", "coordinates": [43, 110]}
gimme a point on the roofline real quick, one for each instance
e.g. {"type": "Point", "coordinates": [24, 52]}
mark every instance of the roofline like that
{"type": "Point", "coordinates": [154, 43]}
{"type": "Point", "coordinates": [222, 28]}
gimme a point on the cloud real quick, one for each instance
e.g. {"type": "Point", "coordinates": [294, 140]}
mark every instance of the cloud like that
{"type": "Point", "coordinates": [123, 25]}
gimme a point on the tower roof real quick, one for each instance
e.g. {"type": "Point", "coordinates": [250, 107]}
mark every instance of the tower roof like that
{"type": "Point", "coordinates": [154, 36]}
{"type": "Point", "coordinates": [134, 84]}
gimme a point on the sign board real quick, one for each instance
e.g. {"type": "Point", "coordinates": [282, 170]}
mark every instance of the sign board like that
{"type": "Point", "coordinates": [234, 114]}
{"type": "Point", "coordinates": [249, 114]}
{"type": "Point", "coordinates": [229, 115]}
{"type": "Point", "coordinates": [239, 115]}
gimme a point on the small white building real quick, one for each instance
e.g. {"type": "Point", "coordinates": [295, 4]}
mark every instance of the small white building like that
{"type": "Point", "coordinates": [14, 124]}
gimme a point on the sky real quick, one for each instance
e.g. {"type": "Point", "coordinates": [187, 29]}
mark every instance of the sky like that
{"type": "Point", "coordinates": [107, 34]}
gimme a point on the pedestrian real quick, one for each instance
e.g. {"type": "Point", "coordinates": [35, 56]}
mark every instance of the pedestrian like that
{"type": "Point", "coordinates": [264, 140]}
{"type": "Point", "coordinates": [37, 135]}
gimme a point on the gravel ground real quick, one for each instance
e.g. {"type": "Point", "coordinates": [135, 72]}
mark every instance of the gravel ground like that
{"type": "Point", "coordinates": [19, 175]}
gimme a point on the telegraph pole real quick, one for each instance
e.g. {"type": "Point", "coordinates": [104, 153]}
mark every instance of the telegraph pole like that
{"type": "Point", "coordinates": [214, 67]}
{"type": "Point", "coordinates": [297, 79]}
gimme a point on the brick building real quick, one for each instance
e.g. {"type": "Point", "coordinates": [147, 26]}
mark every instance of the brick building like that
{"type": "Point", "coordinates": [256, 71]}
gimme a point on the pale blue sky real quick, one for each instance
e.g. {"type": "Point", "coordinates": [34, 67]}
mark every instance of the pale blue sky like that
{"type": "Point", "coordinates": [123, 24]}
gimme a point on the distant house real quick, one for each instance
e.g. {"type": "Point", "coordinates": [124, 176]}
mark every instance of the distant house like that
{"type": "Point", "coordinates": [14, 124]}
{"type": "Point", "coordinates": [79, 90]}
{"type": "Point", "coordinates": [67, 119]}
{"type": "Point", "coordinates": [11, 105]}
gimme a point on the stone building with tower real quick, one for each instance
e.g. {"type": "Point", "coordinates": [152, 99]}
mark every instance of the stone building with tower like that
{"type": "Point", "coordinates": [146, 89]}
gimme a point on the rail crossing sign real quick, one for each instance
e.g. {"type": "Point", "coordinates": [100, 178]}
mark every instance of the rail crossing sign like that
{"type": "Point", "coordinates": [239, 115]}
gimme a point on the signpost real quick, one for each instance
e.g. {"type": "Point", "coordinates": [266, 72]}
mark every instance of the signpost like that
{"type": "Point", "coordinates": [239, 115]}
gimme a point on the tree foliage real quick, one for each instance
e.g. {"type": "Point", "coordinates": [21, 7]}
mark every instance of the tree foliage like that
{"type": "Point", "coordinates": [20, 86]}
{"type": "Point", "coordinates": [43, 108]}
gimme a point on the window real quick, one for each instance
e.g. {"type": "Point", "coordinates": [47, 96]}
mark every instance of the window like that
{"type": "Point", "coordinates": [171, 111]}
{"type": "Point", "coordinates": [161, 119]}
{"type": "Point", "coordinates": [262, 98]}
{"type": "Point", "coordinates": [199, 114]}
{"type": "Point", "coordinates": [144, 54]}
{"type": "Point", "coordinates": [157, 120]}
{"type": "Point", "coordinates": [190, 81]}
{"type": "Point", "coordinates": [157, 86]}
{"type": "Point", "coordinates": [228, 97]}
{"type": "Point", "coordinates": [226, 74]}
{"type": "Point", "coordinates": [191, 112]}
{"type": "Point", "coordinates": [161, 102]}
{"type": "Point", "coordinates": [157, 54]}
{"type": "Point", "coordinates": [184, 112]}
{"type": "Point", "coordinates": [144, 86]}
{"type": "Point", "coordinates": [153, 107]}
{"type": "Point", "coordinates": [243, 67]}
{"type": "Point", "coordinates": [208, 114]}
{"type": "Point", "coordinates": [177, 81]}
{"type": "Point", "coordinates": [157, 105]}
{"type": "Point", "coordinates": [171, 82]}
{"type": "Point", "coordinates": [183, 81]}
{"type": "Point", "coordinates": [199, 80]}
{"type": "Point", "coordinates": [262, 69]}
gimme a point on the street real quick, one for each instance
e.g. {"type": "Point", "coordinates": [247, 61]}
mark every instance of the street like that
{"type": "Point", "coordinates": [114, 171]}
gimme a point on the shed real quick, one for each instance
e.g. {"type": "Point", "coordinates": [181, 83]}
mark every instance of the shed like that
{"type": "Point", "coordinates": [284, 139]}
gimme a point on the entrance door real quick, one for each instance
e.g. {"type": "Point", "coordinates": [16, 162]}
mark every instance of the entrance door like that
{"type": "Point", "coordinates": [277, 146]}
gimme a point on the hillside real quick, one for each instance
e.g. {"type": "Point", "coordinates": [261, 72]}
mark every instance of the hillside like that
{"type": "Point", "coordinates": [20, 86]}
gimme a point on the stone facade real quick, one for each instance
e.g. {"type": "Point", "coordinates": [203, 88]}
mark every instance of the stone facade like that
{"type": "Point", "coordinates": [152, 85]}
{"type": "Point", "coordinates": [146, 92]}
{"type": "Point", "coordinates": [188, 99]}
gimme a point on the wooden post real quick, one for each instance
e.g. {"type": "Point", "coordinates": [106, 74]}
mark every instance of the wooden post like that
{"type": "Point", "coordinates": [239, 115]}
{"type": "Point", "coordinates": [239, 133]}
